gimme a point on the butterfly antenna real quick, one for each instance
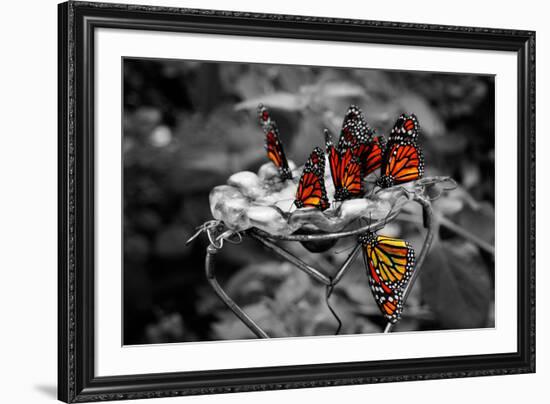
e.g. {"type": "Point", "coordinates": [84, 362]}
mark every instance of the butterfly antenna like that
{"type": "Point", "coordinates": [335, 202]}
{"type": "Point", "coordinates": [388, 215]}
{"type": "Point", "coordinates": [328, 138]}
{"type": "Point", "coordinates": [205, 227]}
{"type": "Point", "coordinates": [375, 182]}
{"type": "Point", "coordinates": [344, 250]}
{"type": "Point", "coordinates": [291, 206]}
{"type": "Point", "coordinates": [370, 193]}
{"type": "Point", "coordinates": [370, 220]}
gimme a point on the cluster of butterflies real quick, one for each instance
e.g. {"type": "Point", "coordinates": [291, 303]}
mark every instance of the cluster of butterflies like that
{"type": "Point", "coordinates": [389, 261]}
{"type": "Point", "coordinates": [358, 153]}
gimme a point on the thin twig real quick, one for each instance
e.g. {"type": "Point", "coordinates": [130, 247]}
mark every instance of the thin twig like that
{"type": "Point", "coordinates": [346, 265]}
{"type": "Point", "coordinates": [431, 225]}
{"type": "Point", "coordinates": [455, 228]}
{"type": "Point", "coordinates": [466, 234]}
{"type": "Point", "coordinates": [327, 236]}
{"type": "Point", "coordinates": [330, 288]}
{"type": "Point", "coordinates": [211, 276]}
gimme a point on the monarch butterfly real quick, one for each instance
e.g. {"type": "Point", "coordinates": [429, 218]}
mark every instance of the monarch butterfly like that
{"type": "Point", "coordinates": [273, 144]}
{"type": "Point", "coordinates": [311, 188]}
{"type": "Point", "coordinates": [373, 156]}
{"type": "Point", "coordinates": [389, 263]}
{"type": "Point", "coordinates": [346, 171]}
{"type": "Point", "coordinates": [403, 160]}
{"type": "Point", "coordinates": [356, 133]}
{"type": "Point", "coordinates": [359, 137]}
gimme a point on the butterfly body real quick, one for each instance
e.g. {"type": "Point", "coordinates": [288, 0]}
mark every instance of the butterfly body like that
{"type": "Point", "coordinates": [403, 160]}
{"type": "Point", "coordinates": [273, 144]}
{"type": "Point", "coordinates": [389, 263]}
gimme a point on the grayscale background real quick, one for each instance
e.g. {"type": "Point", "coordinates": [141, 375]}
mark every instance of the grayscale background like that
{"type": "Point", "coordinates": [189, 125]}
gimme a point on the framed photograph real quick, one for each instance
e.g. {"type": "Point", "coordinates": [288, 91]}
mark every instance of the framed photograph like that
{"type": "Point", "coordinates": [252, 201]}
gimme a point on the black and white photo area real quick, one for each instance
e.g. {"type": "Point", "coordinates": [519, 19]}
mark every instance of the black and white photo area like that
{"type": "Point", "coordinates": [190, 125]}
{"type": "Point", "coordinates": [183, 109]}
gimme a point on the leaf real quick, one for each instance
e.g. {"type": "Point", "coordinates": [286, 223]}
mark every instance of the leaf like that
{"type": "Point", "coordinates": [249, 84]}
{"type": "Point", "coordinates": [479, 220]}
{"type": "Point", "coordinates": [230, 328]}
{"type": "Point", "coordinates": [357, 292]}
{"type": "Point", "coordinates": [471, 174]}
{"type": "Point", "coordinates": [321, 91]}
{"type": "Point", "coordinates": [431, 123]}
{"type": "Point", "coordinates": [456, 285]}
{"type": "Point", "coordinates": [454, 143]}
{"type": "Point", "coordinates": [268, 274]}
{"type": "Point", "coordinates": [293, 289]}
{"type": "Point", "coordinates": [448, 204]}
{"type": "Point", "coordinates": [279, 100]}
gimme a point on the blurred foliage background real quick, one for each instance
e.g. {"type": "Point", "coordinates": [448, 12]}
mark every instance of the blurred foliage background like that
{"type": "Point", "coordinates": [189, 125]}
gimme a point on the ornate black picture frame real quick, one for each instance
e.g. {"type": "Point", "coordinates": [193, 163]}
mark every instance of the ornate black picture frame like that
{"type": "Point", "coordinates": [77, 23]}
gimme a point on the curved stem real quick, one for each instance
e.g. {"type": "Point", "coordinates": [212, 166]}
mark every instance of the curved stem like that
{"type": "Point", "coordinates": [430, 224]}
{"type": "Point", "coordinates": [211, 276]}
{"type": "Point", "coordinates": [455, 228]}
{"type": "Point", "coordinates": [330, 288]}
{"type": "Point", "coordinates": [466, 235]}
{"type": "Point", "coordinates": [346, 265]}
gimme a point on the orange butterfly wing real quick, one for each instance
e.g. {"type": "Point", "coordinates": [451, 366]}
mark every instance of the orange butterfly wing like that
{"type": "Point", "coordinates": [404, 163]}
{"type": "Point", "coordinates": [390, 302]}
{"type": "Point", "coordinates": [273, 145]}
{"type": "Point", "coordinates": [333, 158]}
{"type": "Point", "coordinates": [346, 171]}
{"type": "Point", "coordinates": [311, 190]}
{"type": "Point", "coordinates": [373, 156]}
{"type": "Point", "coordinates": [355, 133]}
{"type": "Point", "coordinates": [393, 258]}
{"type": "Point", "coordinates": [389, 263]}
{"type": "Point", "coordinates": [406, 127]}
{"type": "Point", "coordinates": [403, 160]}
{"type": "Point", "coordinates": [358, 136]}
{"type": "Point", "coordinates": [350, 177]}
